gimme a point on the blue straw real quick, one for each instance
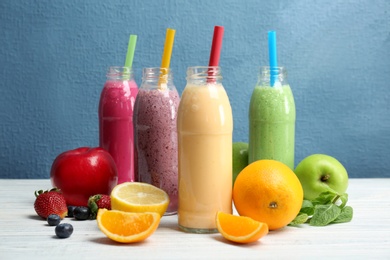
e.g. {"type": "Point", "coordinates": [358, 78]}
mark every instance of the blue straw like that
{"type": "Point", "coordinates": [273, 58]}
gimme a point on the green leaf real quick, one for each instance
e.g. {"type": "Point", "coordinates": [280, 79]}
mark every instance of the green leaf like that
{"type": "Point", "coordinates": [325, 198]}
{"type": "Point", "coordinates": [324, 214]}
{"type": "Point", "coordinates": [345, 215]}
{"type": "Point", "coordinates": [307, 207]}
{"type": "Point", "coordinates": [301, 218]}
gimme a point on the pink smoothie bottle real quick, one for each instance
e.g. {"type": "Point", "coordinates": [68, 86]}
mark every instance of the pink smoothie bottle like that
{"type": "Point", "coordinates": [155, 133]}
{"type": "Point", "coordinates": [116, 120]}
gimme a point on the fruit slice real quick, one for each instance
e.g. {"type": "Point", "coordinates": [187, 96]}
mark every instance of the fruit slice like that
{"type": "Point", "coordinates": [139, 197]}
{"type": "Point", "coordinates": [127, 227]}
{"type": "Point", "coordinates": [240, 229]}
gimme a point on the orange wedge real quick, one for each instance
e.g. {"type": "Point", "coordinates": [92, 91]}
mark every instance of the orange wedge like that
{"type": "Point", "coordinates": [240, 229]}
{"type": "Point", "coordinates": [127, 227]}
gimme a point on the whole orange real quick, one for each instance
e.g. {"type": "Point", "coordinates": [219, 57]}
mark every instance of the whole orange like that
{"type": "Point", "coordinates": [268, 191]}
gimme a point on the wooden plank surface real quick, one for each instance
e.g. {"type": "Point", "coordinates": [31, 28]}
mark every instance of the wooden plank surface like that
{"type": "Point", "coordinates": [23, 235]}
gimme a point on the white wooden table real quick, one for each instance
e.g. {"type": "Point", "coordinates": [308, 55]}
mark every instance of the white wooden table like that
{"type": "Point", "coordinates": [23, 235]}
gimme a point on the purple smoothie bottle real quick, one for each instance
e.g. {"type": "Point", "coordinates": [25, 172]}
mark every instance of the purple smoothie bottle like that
{"type": "Point", "coordinates": [155, 133]}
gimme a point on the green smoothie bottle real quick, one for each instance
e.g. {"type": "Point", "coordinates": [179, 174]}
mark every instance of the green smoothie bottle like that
{"type": "Point", "coordinates": [272, 118]}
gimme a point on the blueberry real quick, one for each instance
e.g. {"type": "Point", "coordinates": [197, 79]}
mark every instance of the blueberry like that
{"type": "Point", "coordinates": [53, 220]}
{"type": "Point", "coordinates": [64, 230]}
{"type": "Point", "coordinates": [81, 213]}
{"type": "Point", "coordinates": [70, 211]}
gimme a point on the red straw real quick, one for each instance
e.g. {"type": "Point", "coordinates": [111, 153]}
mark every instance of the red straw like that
{"type": "Point", "coordinates": [216, 46]}
{"type": "Point", "coordinates": [215, 51]}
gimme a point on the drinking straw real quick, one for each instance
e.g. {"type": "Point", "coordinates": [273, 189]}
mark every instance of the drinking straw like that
{"type": "Point", "coordinates": [130, 50]}
{"type": "Point", "coordinates": [273, 59]}
{"type": "Point", "coordinates": [216, 47]}
{"type": "Point", "coordinates": [166, 58]}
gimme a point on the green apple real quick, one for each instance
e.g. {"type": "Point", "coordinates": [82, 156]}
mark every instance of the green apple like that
{"type": "Point", "coordinates": [319, 173]}
{"type": "Point", "coordinates": [240, 158]}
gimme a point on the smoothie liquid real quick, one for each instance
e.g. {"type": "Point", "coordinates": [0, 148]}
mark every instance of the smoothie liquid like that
{"type": "Point", "coordinates": [205, 127]}
{"type": "Point", "coordinates": [116, 120]}
{"type": "Point", "coordinates": [272, 120]}
{"type": "Point", "coordinates": [155, 115]}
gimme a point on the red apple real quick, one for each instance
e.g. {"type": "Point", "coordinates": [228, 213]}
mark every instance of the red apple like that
{"type": "Point", "coordinates": [83, 172]}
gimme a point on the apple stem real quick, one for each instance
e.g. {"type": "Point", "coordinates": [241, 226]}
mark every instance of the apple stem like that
{"type": "Point", "coordinates": [325, 177]}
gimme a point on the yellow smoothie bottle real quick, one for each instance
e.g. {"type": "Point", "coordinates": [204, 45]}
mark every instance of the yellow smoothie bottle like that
{"type": "Point", "coordinates": [205, 127]}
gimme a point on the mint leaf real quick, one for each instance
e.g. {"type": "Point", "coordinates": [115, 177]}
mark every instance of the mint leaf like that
{"type": "Point", "coordinates": [345, 215]}
{"type": "Point", "coordinates": [324, 214]}
{"type": "Point", "coordinates": [325, 198]}
{"type": "Point", "coordinates": [328, 208]}
{"type": "Point", "coordinates": [307, 207]}
{"type": "Point", "coordinates": [301, 218]}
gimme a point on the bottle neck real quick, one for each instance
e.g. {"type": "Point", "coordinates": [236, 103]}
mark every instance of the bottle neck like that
{"type": "Point", "coordinates": [202, 75]}
{"type": "Point", "coordinates": [157, 78]}
{"type": "Point", "coordinates": [120, 73]}
{"type": "Point", "coordinates": [277, 75]}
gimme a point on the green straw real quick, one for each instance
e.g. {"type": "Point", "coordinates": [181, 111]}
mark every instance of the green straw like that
{"type": "Point", "coordinates": [130, 50]}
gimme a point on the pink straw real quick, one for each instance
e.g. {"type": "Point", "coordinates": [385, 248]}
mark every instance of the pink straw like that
{"type": "Point", "coordinates": [215, 51]}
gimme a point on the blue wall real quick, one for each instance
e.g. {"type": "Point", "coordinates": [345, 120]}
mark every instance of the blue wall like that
{"type": "Point", "coordinates": [54, 54]}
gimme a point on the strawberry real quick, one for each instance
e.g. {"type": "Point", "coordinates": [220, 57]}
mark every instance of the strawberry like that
{"type": "Point", "coordinates": [99, 201]}
{"type": "Point", "coordinates": [50, 202]}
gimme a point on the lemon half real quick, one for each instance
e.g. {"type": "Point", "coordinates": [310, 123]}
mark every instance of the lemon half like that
{"type": "Point", "coordinates": [139, 197]}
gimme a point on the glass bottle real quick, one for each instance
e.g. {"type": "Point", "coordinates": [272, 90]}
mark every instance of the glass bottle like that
{"type": "Point", "coordinates": [205, 127]}
{"type": "Point", "coordinates": [116, 119]}
{"type": "Point", "coordinates": [155, 114]}
{"type": "Point", "coordinates": [272, 119]}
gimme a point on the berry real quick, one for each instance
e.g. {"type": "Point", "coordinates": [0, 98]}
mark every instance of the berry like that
{"type": "Point", "coordinates": [97, 202]}
{"type": "Point", "coordinates": [70, 211]}
{"type": "Point", "coordinates": [81, 213]}
{"type": "Point", "coordinates": [53, 220]}
{"type": "Point", "coordinates": [50, 202]}
{"type": "Point", "coordinates": [64, 230]}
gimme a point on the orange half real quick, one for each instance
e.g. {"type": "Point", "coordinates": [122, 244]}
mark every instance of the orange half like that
{"type": "Point", "coordinates": [240, 229]}
{"type": "Point", "coordinates": [127, 227]}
